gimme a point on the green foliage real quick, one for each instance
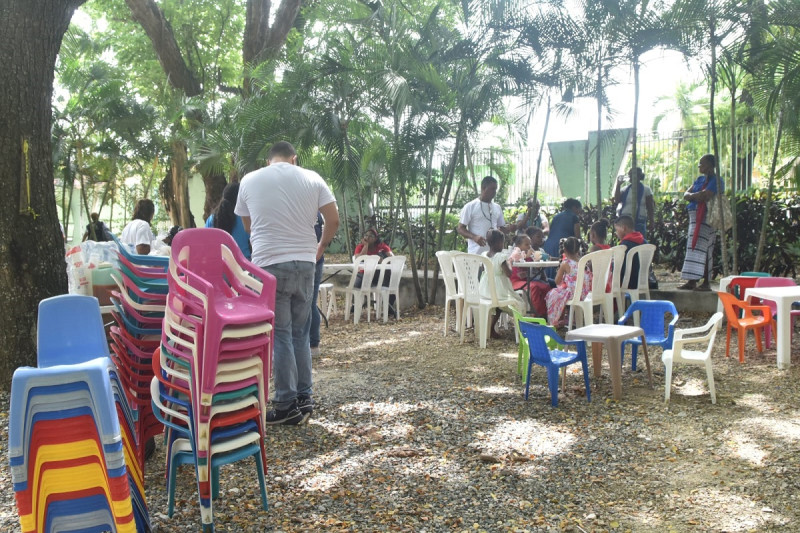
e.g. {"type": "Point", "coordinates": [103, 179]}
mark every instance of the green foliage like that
{"type": "Point", "coordinates": [783, 234]}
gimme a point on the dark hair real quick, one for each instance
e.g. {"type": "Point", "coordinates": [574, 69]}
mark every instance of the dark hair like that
{"type": "Point", "coordinates": [533, 230]}
{"type": "Point", "coordinates": [600, 228]}
{"type": "Point", "coordinates": [493, 236]}
{"type": "Point", "coordinates": [224, 217]}
{"type": "Point", "coordinates": [144, 210]}
{"type": "Point", "coordinates": [639, 171]}
{"type": "Point", "coordinates": [572, 245]}
{"type": "Point", "coordinates": [570, 203]}
{"type": "Point", "coordinates": [94, 216]}
{"type": "Point", "coordinates": [519, 238]}
{"type": "Point", "coordinates": [625, 220]}
{"type": "Point", "coordinates": [711, 159]}
{"type": "Point", "coordinates": [281, 149]}
{"type": "Point", "coordinates": [374, 232]}
{"type": "Point", "coordinates": [174, 230]}
{"type": "Point", "coordinates": [488, 180]}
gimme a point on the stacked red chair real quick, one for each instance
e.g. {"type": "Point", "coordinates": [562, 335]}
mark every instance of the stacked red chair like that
{"type": "Point", "coordinates": [212, 369]}
{"type": "Point", "coordinates": [71, 445]}
{"type": "Point", "coordinates": [138, 313]}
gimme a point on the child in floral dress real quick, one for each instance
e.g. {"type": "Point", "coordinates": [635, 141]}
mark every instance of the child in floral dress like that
{"type": "Point", "coordinates": [566, 278]}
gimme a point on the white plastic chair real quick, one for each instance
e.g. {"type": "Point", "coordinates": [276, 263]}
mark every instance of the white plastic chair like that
{"type": "Point", "coordinates": [601, 263]}
{"type": "Point", "coordinates": [394, 264]}
{"type": "Point", "coordinates": [327, 299]}
{"type": "Point", "coordinates": [452, 293]}
{"type": "Point", "coordinates": [699, 336]}
{"type": "Point", "coordinates": [616, 295]}
{"type": "Point", "coordinates": [468, 268]}
{"type": "Point", "coordinates": [645, 254]}
{"type": "Point", "coordinates": [356, 297]}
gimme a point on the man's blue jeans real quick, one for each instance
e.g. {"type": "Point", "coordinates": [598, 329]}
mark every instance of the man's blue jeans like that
{"type": "Point", "coordinates": [315, 318]}
{"type": "Point", "coordinates": [291, 356]}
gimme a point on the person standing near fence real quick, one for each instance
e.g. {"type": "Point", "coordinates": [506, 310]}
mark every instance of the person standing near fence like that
{"type": "Point", "coordinates": [645, 207]}
{"type": "Point", "coordinates": [481, 215]}
{"type": "Point", "coordinates": [699, 260]}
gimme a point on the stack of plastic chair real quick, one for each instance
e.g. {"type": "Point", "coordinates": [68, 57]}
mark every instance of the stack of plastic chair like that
{"type": "Point", "coordinates": [212, 368]}
{"type": "Point", "coordinates": [70, 442]}
{"type": "Point", "coordinates": [138, 310]}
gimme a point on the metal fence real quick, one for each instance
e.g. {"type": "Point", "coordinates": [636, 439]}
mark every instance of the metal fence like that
{"type": "Point", "coordinates": [669, 162]}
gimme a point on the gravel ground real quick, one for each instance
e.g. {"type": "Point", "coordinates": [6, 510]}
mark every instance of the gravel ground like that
{"type": "Point", "coordinates": [416, 432]}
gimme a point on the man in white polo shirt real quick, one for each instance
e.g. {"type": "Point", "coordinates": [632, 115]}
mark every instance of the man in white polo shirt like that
{"type": "Point", "coordinates": [278, 205]}
{"type": "Point", "coordinates": [480, 215]}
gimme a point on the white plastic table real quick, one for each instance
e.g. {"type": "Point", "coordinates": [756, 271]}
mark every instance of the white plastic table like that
{"type": "Point", "coordinates": [612, 336]}
{"type": "Point", "coordinates": [783, 298]}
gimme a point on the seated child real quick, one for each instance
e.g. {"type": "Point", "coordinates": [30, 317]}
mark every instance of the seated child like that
{"type": "Point", "coordinates": [566, 278]}
{"type": "Point", "coordinates": [502, 277]}
{"type": "Point", "coordinates": [520, 277]}
{"type": "Point", "coordinates": [597, 236]}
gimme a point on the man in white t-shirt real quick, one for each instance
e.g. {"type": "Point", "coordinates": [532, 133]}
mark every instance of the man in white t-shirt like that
{"type": "Point", "coordinates": [480, 215]}
{"type": "Point", "coordinates": [278, 205]}
{"type": "Point", "coordinates": [646, 207]}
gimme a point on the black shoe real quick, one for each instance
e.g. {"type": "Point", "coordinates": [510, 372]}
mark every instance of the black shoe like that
{"type": "Point", "coordinates": [306, 406]}
{"type": "Point", "coordinates": [287, 417]}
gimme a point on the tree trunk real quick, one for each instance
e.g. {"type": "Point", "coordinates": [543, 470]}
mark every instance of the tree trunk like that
{"type": "Point", "coordinates": [541, 149]}
{"type": "Point", "coordinates": [734, 179]}
{"type": "Point", "coordinates": [715, 141]}
{"type": "Point", "coordinates": [214, 185]}
{"type": "Point", "coordinates": [31, 247]}
{"type": "Point", "coordinates": [181, 215]}
{"type": "Point", "coordinates": [634, 160]}
{"type": "Point", "coordinates": [599, 90]}
{"type": "Point", "coordinates": [762, 238]}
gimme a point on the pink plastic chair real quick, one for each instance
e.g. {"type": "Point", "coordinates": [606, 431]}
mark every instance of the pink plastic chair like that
{"type": "Point", "coordinates": [774, 282]}
{"type": "Point", "coordinates": [208, 268]}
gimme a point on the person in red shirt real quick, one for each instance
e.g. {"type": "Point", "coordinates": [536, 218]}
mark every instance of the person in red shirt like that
{"type": "Point", "coordinates": [371, 244]}
{"type": "Point", "coordinates": [629, 237]}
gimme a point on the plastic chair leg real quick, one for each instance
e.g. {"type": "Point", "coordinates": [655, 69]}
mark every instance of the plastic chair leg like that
{"type": "Point", "coordinates": [634, 354]}
{"type": "Point", "coordinates": [741, 338]}
{"type": "Point", "coordinates": [710, 374]}
{"type": "Point", "coordinates": [446, 316]}
{"type": "Point", "coordinates": [667, 379]}
{"type": "Point", "coordinates": [552, 383]}
{"type": "Point", "coordinates": [585, 369]}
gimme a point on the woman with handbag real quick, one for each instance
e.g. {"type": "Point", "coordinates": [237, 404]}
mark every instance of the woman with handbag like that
{"type": "Point", "coordinates": [699, 262]}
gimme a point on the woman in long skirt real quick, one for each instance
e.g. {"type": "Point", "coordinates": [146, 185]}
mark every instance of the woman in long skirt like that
{"type": "Point", "coordinates": [699, 261]}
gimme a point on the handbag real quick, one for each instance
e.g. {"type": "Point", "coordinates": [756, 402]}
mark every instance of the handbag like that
{"type": "Point", "coordinates": [716, 216]}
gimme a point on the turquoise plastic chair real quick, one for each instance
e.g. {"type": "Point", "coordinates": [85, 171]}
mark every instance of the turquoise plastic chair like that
{"type": "Point", "coordinates": [537, 336]}
{"type": "Point", "coordinates": [652, 319]}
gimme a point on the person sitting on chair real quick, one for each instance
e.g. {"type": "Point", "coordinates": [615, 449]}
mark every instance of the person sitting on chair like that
{"type": "Point", "coordinates": [371, 244]}
{"type": "Point", "coordinates": [629, 238]}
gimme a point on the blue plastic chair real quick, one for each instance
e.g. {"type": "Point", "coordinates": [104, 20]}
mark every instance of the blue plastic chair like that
{"type": "Point", "coordinates": [652, 319]}
{"type": "Point", "coordinates": [137, 259]}
{"type": "Point", "coordinates": [70, 330]}
{"type": "Point", "coordinates": [538, 336]}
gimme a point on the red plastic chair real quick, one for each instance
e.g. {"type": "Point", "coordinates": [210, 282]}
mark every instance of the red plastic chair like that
{"type": "Point", "coordinates": [739, 284]}
{"type": "Point", "coordinates": [748, 321]}
{"type": "Point", "coordinates": [774, 282]}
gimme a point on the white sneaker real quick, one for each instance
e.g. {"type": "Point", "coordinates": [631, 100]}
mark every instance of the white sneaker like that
{"type": "Point", "coordinates": [315, 351]}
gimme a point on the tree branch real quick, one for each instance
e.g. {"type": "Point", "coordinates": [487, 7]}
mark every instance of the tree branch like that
{"type": "Point", "coordinates": [158, 29]}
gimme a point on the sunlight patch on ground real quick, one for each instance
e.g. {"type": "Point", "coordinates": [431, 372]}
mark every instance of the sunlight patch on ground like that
{"type": "Point", "coordinates": [527, 438]}
{"type": "Point", "coordinates": [756, 401]}
{"type": "Point", "coordinates": [788, 430]}
{"type": "Point", "coordinates": [692, 387]}
{"type": "Point", "coordinates": [393, 340]}
{"type": "Point", "coordinates": [742, 446]}
{"type": "Point", "coordinates": [496, 390]}
{"type": "Point", "coordinates": [507, 355]}
{"type": "Point", "coordinates": [381, 409]}
{"type": "Point", "coordinates": [742, 513]}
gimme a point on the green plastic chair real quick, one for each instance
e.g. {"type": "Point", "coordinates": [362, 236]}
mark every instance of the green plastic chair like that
{"type": "Point", "coordinates": [523, 351]}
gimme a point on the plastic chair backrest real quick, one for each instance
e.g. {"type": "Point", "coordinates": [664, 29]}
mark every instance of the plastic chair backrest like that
{"type": "Point", "coordinates": [653, 318]}
{"type": "Point", "coordinates": [706, 334]}
{"type": "Point", "coordinates": [755, 274]}
{"type": "Point", "coordinates": [616, 275]}
{"type": "Point", "coordinates": [445, 258]}
{"type": "Point", "coordinates": [70, 330]}
{"type": "Point", "coordinates": [395, 264]}
{"type": "Point", "coordinates": [538, 337]}
{"type": "Point", "coordinates": [730, 303]}
{"type": "Point", "coordinates": [739, 284]}
{"type": "Point", "coordinates": [601, 263]}
{"type": "Point", "coordinates": [472, 264]}
{"type": "Point", "coordinates": [773, 282]}
{"type": "Point", "coordinates": [644, 253]}
{"type": "Point", "coordinates": [137, 259]}
{"type": "Point", "coordinates": [366, 264]}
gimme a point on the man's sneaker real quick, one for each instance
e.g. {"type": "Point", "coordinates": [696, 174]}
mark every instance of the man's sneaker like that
{"type": "Point", "coordinates": [306, 406]}
{"type": "Point", "coordinates": [287, 417]}
{"type": "Point", "coordinates": [315, 351]}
